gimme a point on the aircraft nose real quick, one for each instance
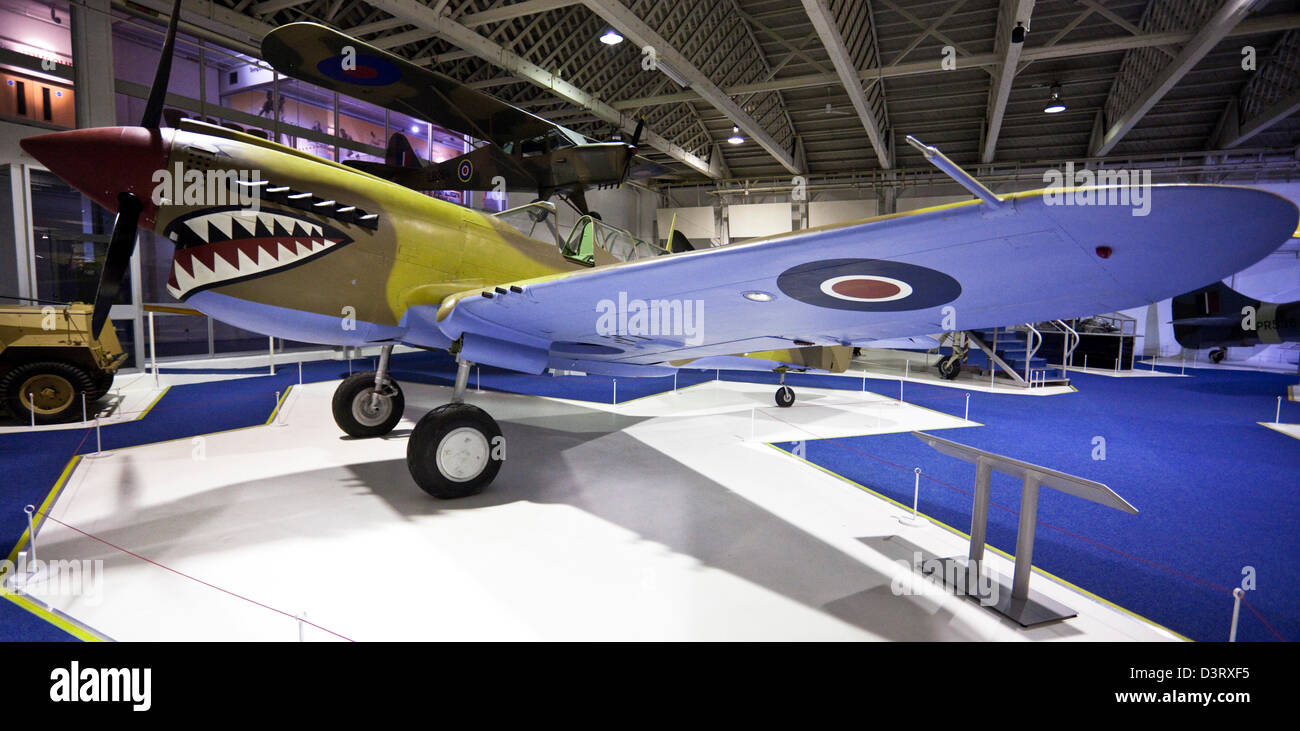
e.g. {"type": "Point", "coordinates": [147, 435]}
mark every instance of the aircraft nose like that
{"type": "Point", "coordinates": [104, 161]}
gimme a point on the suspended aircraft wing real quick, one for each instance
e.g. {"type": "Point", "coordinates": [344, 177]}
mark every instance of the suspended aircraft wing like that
{"type": "Point", "coordinates": [956, 267]}
{"type": "Point", "coordinates": [323, 56]}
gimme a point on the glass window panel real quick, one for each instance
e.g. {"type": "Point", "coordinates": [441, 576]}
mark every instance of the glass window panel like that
{"type": "Point", "coordinates": [71, 236]}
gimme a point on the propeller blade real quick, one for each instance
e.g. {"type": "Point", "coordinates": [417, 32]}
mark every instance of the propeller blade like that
{"type": "Point", "coordinates": [120, 248]}
{"type": "Point", "coordinates": [636, 135]}
{"type": "Point", "coordinates": [158, 92]}
{"type": "Point", "coordinates": [631, 151]}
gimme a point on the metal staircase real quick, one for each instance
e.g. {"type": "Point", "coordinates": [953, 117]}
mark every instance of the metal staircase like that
{"type": "Point", "coordinates": [1012, 354]}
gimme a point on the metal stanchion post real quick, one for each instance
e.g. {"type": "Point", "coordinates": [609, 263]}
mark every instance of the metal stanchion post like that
{"type": "Point", "coordinates": [615, 392]}
{"type": "Point", "coordinates": [31, 536]}
{"type": "Point", "coordinates": [914, 518]}
{"type": "Point", "coordinates": [99, 443]}
{"type": "Point", "coordinates": [1277, 415]}
{"type": "Point", "coordinates": [1237, 594]}
{"type": "Point", "coordinates": [967, 414]}
{"type": "Point", "coordinates": [153, 352]}
{"type": "Point", "coordinates": [31, 407]}
{"type": "Point", "coordinates": [271, 355]}
{"type": "Point", "coordinates": [299, 373]}
{"type": "Point", "coordinates": [83, 406]}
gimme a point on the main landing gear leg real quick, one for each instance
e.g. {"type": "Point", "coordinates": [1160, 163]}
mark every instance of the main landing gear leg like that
{"type": "Point", "coordinates": [457, 449]}
{"type": "Point", "coordinates": [784, 394]}
{"type": "Point", "coordinates": [369, 404]}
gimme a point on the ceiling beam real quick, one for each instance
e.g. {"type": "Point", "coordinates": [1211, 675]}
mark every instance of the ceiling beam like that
{"type": "Point", "coordinates": [1255, 26]}
{"type": "Point", "coordinates": [632, 26]}
{"type": "Point", "coordinates": [1216, 29]}
{"type": "Point", "coordinates": [509, 12]}
{"type": "Point", "coordinates": [1271, 95]}
{"type": "Point", "coordinates": [458, 35]}
{"type": "Point", "coordinates": [1011, 13]}
{"type": "Point", "coordinates": [274, 6]}
{"type": "Point", "coordinates": [832, 37]}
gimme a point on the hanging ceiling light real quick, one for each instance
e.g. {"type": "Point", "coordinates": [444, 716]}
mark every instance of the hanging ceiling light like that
{"type": "Point", "coordinates": [1055, 105]}
{"type": "Point", "coordinates": [735, 137]}
{"type": "Point", "coordinates": [611, 37]}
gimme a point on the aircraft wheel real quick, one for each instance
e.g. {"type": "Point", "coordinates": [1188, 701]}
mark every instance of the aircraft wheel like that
{"type": "Point", "coordinates": [595, 215]}
{"type": "Point", "coordinates": [785, 397]}
{"type": "Point", "coordinates": [949, 367]}
{"type": "Point", "coordinates": [359, 413]}
{"type": "Point", "coordinates": [455, 451]}
{"type": "Point", "coordinates": [1218, 354]}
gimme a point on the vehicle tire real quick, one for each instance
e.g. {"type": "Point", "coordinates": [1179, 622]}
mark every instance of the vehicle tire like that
{"type": "Point", "coordinates": [455, 451]}
{"type": "Point", "coordinates": [354, 412]}
{"type": "Point", "coordinates": [1218, 354]}
{"type": "Point", "coordinates": [103, 384]}
{"type": "Point", "coordinates": [949, 368]}
{"type": "Point", "coordinates": [55, 388]}
{"type": "Point", "coordinates": [785, 397]}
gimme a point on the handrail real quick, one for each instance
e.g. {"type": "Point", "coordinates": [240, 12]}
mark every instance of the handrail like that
{"type": "Point", "coordinates": [1031, 351]}
{"type": "Point", "coordinates": [1071, 336]}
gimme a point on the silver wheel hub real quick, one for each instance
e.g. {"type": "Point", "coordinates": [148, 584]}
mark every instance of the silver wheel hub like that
{"type": "Point", "coordinates": [370, 408]}
{"type": "Point", "coordinates": [463, 454]}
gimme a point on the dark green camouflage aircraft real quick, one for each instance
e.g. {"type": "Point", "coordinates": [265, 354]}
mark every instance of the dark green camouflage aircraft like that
{"type": "Point", "coordinates": [525, 152]}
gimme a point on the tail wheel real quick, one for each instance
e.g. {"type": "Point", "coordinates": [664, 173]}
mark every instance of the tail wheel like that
{"type": "Point", "coordinates": [1217, 355]}
{"type": "Point", "coordinates": [49, 391]}
{"type": "Point", "coordinates": [785, 397]}
{"type": "Point", "coordinates": [949, 367]}
{"type": "Point", "coordinates": [455, 451]}
{"type": "Point", "coordinates": [361, 411]}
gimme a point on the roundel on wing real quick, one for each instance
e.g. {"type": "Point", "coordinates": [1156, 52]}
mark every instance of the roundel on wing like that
{"type": "Point", "coordinates": [465, 171]}
{"type": "Point", "coordinates": [868, 285]}
{"type": "Point", "coordinates": [367, 70]}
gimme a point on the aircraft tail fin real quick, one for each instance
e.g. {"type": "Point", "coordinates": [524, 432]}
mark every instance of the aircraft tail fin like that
{"type": "Point", "coordinates": [400, 153]}
{"type": "Point", "coordinates": [679, 242]}
{"type": "Point", "coordinates": [1209, 316]}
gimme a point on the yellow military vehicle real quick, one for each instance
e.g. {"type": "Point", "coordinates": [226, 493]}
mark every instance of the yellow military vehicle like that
{"type": "Point", "coordinates": [48, 359]}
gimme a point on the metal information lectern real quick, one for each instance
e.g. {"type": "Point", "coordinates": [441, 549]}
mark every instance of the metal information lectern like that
{"type": "Point", "coordinates": [1025, 607]}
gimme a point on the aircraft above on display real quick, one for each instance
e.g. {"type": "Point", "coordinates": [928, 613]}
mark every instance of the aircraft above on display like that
{"type": "Point", "coordinates": [1218, 317]}
{"type": "Point", "coordinates": [525, 152]}
{"type": "Point", "coordinates": [332, 255]}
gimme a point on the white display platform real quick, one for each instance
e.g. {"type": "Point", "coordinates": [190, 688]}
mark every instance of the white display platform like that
{"type": "Point", "coordinates": [658, 519]}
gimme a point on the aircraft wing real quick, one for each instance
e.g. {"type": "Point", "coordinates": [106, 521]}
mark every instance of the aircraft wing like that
{"type": "Point", "coordinates": [957, 267]}
{"type": "Point", "coordinates": [319, 55]}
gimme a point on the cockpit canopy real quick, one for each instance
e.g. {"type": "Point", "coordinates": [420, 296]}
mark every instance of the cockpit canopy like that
{"type": "Point", "coordinates": [556, 139]}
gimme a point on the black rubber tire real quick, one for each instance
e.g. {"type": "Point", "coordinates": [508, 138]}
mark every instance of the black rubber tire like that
{"type": "Point", "coordinates": [70, 378]}
{"type": "Point", "coordinates": [785, 397]}
{"type": "Point", "coordinates": [428, 436]}
{"type": "Point", "coordinates": [1218, 354]}
{"type": "Point", "coordinates": [595, 215]}
{"type": "Point", "coordinates": [103, 385]}
{"type": "Point", "coordinates": [358, 386]}
{"type": "Point", "coordinates": [949, 368]}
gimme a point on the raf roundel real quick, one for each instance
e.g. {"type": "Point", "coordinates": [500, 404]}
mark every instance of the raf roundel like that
{"type": "Point", "coordinates": [868, 285]}
{"type": "Point", "coordinates": [362, 70]}
{"type": "Point", "coordinates": [465, 171]}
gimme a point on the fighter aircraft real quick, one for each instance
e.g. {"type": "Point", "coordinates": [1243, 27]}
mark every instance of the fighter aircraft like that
{"type": "Point", "coordinates": [336, 256]}
{"type": "Point", "coordinates": [525, 152]}
{"type": "Point", "coordinates": [1218, 316]}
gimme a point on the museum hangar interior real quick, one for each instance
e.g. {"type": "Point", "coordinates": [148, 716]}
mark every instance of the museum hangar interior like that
{"type": "Point", "coordinates": [650, 319]}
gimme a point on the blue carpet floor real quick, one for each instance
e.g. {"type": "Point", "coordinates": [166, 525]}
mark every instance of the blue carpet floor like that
{"type": "Point", "coordinates": [1215, 490]}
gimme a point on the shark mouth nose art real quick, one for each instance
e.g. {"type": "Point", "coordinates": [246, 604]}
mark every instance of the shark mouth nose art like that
{"type": "Point", "coordinates": [215, 247]}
